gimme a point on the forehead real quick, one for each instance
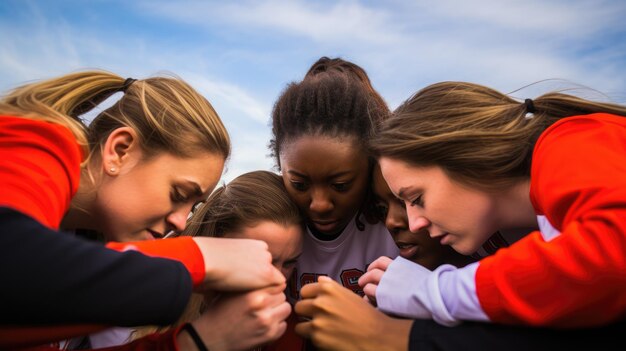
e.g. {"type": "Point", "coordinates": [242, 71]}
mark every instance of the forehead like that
{"type": "Point", "coordinates": [399, 174]}
{"type": "Point", "coordinates": [277, 236]}
{"type": "Point", "coordinates": [205, 169]}
{"type": "Point", "coordinates": [322, 155]}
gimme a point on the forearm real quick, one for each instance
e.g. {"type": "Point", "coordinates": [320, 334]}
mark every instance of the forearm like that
{"type": "Point", "coordinates": [56, 278]}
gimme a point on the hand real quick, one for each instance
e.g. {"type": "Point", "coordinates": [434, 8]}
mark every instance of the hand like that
{"type": "Point", "coordinates": [241, 321]}
{"type": "Point", "coordinates": [369, 281]}
{"type": "Point", "coordinates": [341, 320]}
{"type": "Point", "coordinates": [237, 264]}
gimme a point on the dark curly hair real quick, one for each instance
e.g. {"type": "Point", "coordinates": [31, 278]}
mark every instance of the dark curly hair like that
{"type": "Point", "coordinates": [335, 99]}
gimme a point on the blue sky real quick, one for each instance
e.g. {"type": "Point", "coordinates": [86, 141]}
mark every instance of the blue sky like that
{"type": "Point", "coordinates": [241, 54]}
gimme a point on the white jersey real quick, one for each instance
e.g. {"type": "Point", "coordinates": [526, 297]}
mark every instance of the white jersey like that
{"type": "Point", "coordinates": [344, 259]}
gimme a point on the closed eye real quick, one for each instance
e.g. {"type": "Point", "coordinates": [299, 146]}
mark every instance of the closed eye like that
{"type": "Point", "coordinates": [341, 187]}
{"type": "Point", "coordinates": [177, 196]}
{"type": "Point", "coordinates": [418, 201]}
{"type": "Point", "coordinates": [299, 186]}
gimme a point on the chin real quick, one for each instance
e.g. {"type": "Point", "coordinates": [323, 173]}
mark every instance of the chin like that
{"type": "Point", "coordinates": [465, 249]}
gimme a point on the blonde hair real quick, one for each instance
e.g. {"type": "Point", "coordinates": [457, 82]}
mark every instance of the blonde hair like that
{"type": "Point", "coordinates": [163, 111]}
{"type": "Point", "coordinates": [479, 136]}
{"type": "Point", "coordinates": [247, 200]}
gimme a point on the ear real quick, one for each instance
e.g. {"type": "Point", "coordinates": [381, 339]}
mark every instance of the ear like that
{"type": "Point", "coordinates": [120, 148]}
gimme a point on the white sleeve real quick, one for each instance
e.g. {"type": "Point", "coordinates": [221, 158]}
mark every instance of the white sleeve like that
{"type": "Point", "coordinates": [410, 290]}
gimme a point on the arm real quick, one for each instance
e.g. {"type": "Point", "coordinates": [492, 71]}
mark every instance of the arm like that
{"type": "Point", "coordinates": [215, 263]}
{"type": "Point", "coordinates": [56, 278]}
{"type": "Point", "coordinates": [576, 278]}
{"type": "Point", "coordinates": [571, 277]}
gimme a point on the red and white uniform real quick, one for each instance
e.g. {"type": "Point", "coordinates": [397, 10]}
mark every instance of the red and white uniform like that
{"type": "Point", "coordinates": [55, 279]}
{"type": "Point", "coordinates": [570, 273]}
{"type": "Point", "coordinates": [343, 259]}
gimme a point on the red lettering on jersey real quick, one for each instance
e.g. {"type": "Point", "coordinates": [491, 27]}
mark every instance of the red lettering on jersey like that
{"type": "Point", "coordinates": [350, 279]}
{"type": "Point", "coordinates": [308, 278]}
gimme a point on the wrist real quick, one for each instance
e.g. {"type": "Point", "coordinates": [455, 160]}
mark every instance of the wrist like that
{"type": "Point", "coordinates": [396, 333]}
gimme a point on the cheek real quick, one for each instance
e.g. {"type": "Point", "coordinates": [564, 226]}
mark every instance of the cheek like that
{"type": "Point", "coordinates": [352, 200]}
{"type": "Point", "coordinates": [396, 213]}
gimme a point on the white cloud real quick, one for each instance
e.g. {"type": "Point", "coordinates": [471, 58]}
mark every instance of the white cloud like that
{"type": "Point", "coordinates": [570, 18]}
{"type": "Point", "coordinates": [227, 96]}
{"type": "Point", "coordinates": [240, 54]}
{"type": "Point", "coordinates": [319, 21]}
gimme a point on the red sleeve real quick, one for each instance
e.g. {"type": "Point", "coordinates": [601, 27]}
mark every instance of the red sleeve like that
{"type": "Point", "coordinates": [578, 181]}
{"type": "Point", "coordinates": [40, 168]}
{"type": "Point", "coordinates": [182, 249]}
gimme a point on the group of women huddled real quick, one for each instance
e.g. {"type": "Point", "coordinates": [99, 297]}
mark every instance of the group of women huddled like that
{"type": "Point", "coordinates": [463, 219]}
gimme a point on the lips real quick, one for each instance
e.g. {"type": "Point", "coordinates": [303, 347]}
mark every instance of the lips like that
{"type": "Point", "coordinates": [325, 226]}
{"type": "Point", "coordinates": [444, 237]}
{"type": "Point", "coordinates": [407, 250]}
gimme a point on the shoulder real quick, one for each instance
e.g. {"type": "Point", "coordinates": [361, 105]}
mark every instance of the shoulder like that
{"type": "Point", "coordinates": [41, 167]}
{"type": "Point", "coordinates": [584, 127]}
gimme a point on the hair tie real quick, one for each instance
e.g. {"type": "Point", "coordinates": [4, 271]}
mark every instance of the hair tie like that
{"type": "Point", "coordinates": [530, 106]}
{"type": "Point", "coordinates": [195, 337]}
{"type": "Point", "coordinates": [127, 83]}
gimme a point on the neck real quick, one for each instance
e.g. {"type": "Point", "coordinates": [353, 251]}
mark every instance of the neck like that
{"type": "Point", "coordinates": [81, 208]}
{"type": "Point", "coordinates": [516, 208]}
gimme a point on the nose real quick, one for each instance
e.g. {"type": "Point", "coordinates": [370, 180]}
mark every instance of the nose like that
{"type": "Point", "coordinates": [320, 201]}
{"type": "Point", "coordinates": [178, 218]}
{"type": "Point", "coordinates": [417, 221]}
{"type": "Point", "coordinates": [396, 218]}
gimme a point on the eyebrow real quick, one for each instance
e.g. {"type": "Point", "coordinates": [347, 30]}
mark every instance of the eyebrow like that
{"type": "Point", "coordinates": [401, 192]}
{"type": "Point", "coordinates": [336, 175]}
{"type": "Point", "coordinates": [197, 191]}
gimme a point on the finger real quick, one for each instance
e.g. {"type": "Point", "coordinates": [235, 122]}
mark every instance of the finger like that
{"type": "Point", "coordinates": [276, 277]}
{"type": "Point", "coordinates": [282, 311]}
{"type": "Point", "coordinates": [380, 263]}
{"type": "Point", "coordinates": [370, 292]}
{"type": "Point", "coordinates": [276, 289]}
{"type": "Point", "coordinates": [261, 299]}
{"type": "Point", "coordinates": [324, 278]}
{"type": "Point", "coordinates": [310, 290]}
{"type": "Point", "coordinates": [371, 277]}
{"type": "Point", "coordinates": [304, 329]}
{"type": "Point", "coordinates": [305, 308]}
{"type": "Point", "coordinates": [273, 300]}
{"type": "Point", "coordinates": [277, 331]}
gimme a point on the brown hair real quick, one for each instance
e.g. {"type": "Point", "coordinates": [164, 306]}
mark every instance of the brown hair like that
{"type": "Point", "coordinates": [162, 110]}
{"type": "Point", "coordinates": [479, 136]}
{"type": "Point", "coordinates": [247, 200]}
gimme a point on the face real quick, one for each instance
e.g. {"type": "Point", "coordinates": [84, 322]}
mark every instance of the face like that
{"type": "Point", "coordinates": [144, 200]}
{"type": "Point", "coordinates": [451, 213]}
{"type": "Point", "coordinates": [418, 247]}
{"type": "Point", "coordinates": [327, 178]}
{"type": "Point", "coordinates": [284, 242]}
